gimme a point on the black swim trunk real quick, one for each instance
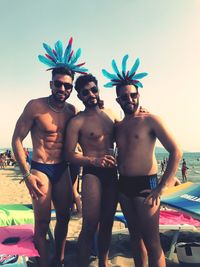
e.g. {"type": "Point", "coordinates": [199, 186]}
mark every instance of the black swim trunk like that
{"type": "Point", "coordinates": [74, 171]}
{"type": "Point", "coordinates": [54, 171]}
{"type": "Point", "coordinates": [106, 176]}
{"type": "Point", "coordinates": [131, 186]}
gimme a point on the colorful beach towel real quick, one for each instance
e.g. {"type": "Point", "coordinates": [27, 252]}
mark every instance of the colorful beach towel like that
{"type": "Point", "coordinates": [14, 214]}
{"type": "Point", "coordinates": [174, 217]}
{"type": "Point", "coordinates": [185, 197]}
{"type": "Point", "coordinates": [20, 240]}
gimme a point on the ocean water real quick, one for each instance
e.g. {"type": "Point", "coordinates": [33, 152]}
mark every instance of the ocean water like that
{"type": "Point", "coordinates": [193, 163]}
{"type": "Point", "coordinates": [192, 159]}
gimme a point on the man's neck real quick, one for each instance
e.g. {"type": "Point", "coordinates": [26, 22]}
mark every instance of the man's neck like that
{"type": "Point", "coordinates": [132, 115]}
{"type": "Point", "coordinates": [54, 103]}
{"type": "Point", "coordinates": [95, 109]}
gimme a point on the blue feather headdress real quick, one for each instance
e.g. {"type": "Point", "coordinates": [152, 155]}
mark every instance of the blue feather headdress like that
{"type": "Point", "coordinates": [57, 58]}
{"type": "Point", "coordinates": [123, 77]}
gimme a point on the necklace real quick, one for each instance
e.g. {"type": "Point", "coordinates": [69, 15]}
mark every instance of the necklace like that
{"type": "Point", "coordinates": [53, 109]}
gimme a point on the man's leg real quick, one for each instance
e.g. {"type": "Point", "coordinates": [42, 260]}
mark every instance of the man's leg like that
{"type": "Point", "coordinates": [91, 199]}
{"type": "Point", "coordinates": [42, 213]}
{"type": "Point", "coordinates": [62, 200]}
{"type": "Point", "coordinates": [149, 215]}
{"type": "Point", "coordinates": [108, 208]}
{"type": "Point", "coordinates": [138, 248]}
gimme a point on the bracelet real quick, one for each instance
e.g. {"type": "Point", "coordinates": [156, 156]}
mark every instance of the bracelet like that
{"type": "Point", "coordinates": [25, 177]}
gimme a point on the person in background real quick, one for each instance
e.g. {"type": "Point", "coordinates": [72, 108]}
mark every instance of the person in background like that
{"type": "Point", "coordinates": [184, 169]}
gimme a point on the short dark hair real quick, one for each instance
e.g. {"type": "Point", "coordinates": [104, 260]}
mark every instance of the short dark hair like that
{"type": "Point", "coordinates": [63, 71]}
{"type": "Point", "coordinates": [124, 84]}
{"type": "Point", "coordinates": [82, 80]}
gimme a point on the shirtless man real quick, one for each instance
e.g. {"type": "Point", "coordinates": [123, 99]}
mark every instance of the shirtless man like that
{"type": "Point", "coordinates": [93, 130]}
{"type": "Point", "coordinates": [46, 118]}
{"type": "Point", "coordinates": [139, 191]}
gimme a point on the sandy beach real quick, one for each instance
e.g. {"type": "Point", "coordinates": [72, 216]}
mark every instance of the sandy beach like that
{"type": "Point", "coordinates": [120, 252]}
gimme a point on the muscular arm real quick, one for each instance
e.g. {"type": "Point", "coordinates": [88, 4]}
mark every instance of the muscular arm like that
{"type": "Point", "coordinates": [22, 128]}
{"type": "Point", "coordinates": [175, 153]}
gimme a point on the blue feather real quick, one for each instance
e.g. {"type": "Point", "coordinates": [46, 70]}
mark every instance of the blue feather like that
{"type": "Point", "coordinates": [108, 85]}
{"type": "Point", "coordinates": [76, 57]}
{"type": "Point", "coordinates": [46, 61]}
{"type": "Point", "coordinates": [124, 60]}
{"type": "Point", "coordinates": [139, 84]}
{"type": "Point", "coordinates": [67, 52]}
{"type": "Point", "coordinates": [59, 50]}
{"type": "Point", "coordinates": [114, 66]}
{"type": "Point", "coordinates": [49, 51]}
{"type": "Point", "coordinates": [134, 67]}
{"type": "Point", "coordinates": [75, 68]}
{"type": "Point", "coordinates": [109, 75]}
{"type": "Point", "coordinates": [139, 76]}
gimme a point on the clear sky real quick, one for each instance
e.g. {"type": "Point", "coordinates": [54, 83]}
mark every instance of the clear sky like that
{"type": "Point", "coordinates": [165, 35]}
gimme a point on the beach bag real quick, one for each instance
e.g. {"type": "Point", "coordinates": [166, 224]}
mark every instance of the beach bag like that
{"type": "Point", "coordinates": [188, 254]}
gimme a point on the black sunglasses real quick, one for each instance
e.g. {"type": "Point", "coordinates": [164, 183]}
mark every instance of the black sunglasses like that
{"type": "Point", "coordinates": [94, 90]}
{"type": "Point", "coordinates": [58, 84]}
{"type": "Point", "coordinates": [125, 97]}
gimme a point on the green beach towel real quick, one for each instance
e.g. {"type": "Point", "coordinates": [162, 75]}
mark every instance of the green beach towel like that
{"type": "Point", "coordinates": [16, 214]}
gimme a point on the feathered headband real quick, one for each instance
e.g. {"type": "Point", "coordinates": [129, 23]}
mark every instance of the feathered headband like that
{"type": "Point", "coordinates": [125, 76]}
{"type": "Point", "coordinates": [55, 58]}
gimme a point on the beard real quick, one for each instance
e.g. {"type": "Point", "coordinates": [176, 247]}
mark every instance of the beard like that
{"type": "Point", "coordinates": [92, 102]}
{"type": "Point", "coordinates": [60, 97]}
{"type": "Point", "coordinates": [130, 108]}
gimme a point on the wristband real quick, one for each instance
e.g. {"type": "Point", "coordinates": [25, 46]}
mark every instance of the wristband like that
{"type": "Point", "coordinates": [25, 177]}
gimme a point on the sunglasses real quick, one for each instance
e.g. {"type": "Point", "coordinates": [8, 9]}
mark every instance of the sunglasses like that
{"type": "Point", "coordinates": [94, 90]}
{"type": "Point", "coordinates": [125, 97]}
{"type": "Point", "coordinates": [58, 84]}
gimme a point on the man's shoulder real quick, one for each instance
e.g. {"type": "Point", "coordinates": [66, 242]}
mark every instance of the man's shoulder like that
{"type": "Point", "coordinates": [78, 118]}
{"type": "Point", "coordinates": [36, 104]}
{"type": "Point", "coordinates": [147, 116]}
{"type": "Point", "coordinates": [71, 108]}
{"type": "Point", "coordinates": [38, 101]}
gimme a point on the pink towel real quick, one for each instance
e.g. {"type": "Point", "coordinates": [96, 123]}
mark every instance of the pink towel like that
{"type": "Point", "coordinates": [174, 217]}
{"type": "Point", "coordinates": [24, 246]}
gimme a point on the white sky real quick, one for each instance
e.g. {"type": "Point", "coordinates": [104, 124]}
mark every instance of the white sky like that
{"type": "Point", "coordinates": [165, 35]}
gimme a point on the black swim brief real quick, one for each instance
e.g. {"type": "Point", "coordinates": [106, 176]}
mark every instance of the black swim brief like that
{"type": "Point", "coordinates": [105, 175]}
{"type": "Point", "coordinates": [52, 171]}
{"type": "Point", "coordinates": [131, 186]}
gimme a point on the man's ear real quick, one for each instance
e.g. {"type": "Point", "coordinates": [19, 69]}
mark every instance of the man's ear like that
{"type": "Point", "coordinates": [118, 100]}
{"type": "Point", "coordinates": [79, 97]}
{"type": "Point", "coordinates": [51, 84]}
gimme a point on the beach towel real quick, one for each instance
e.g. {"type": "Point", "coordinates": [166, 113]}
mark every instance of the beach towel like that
{"type": "Point", "coordinates": [13, 214]}
{"type": "Point", "coordinates": [21, 237]}
{"type": "Point", "coordinates": [174, 217]}
{"type": "Point", "coordinates": [184, 197]}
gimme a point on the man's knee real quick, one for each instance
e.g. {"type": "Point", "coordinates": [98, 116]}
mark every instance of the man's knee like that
{"type": "Point", "coordinates": [89, 228]}
{"type": "Point", "coordinates": [154, 248]}
{"type": "Point", "coordinates": [63, 217]}
{"type": "Point", "coordinates": [41, 227]}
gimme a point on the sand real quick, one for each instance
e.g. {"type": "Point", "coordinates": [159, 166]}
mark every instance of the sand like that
{"type": "Point", "coordinates": [120, 253]}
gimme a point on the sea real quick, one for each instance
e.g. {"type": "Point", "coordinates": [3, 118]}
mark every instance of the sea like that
{"type": "Point", "coordinates": [193, 163]}
{"type": "Point", "coordinates": [192, 160]}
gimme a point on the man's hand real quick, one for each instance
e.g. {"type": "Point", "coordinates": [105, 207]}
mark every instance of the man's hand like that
{"type": "Point", "coordinates": [154, 197]}
{"type": "Point", "coordinates": [105, 161]}
{"type": "Point", "coordinates": [33, 184]}
{"type": "Point", "coordinates": [143, 110]}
